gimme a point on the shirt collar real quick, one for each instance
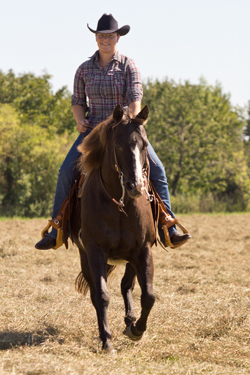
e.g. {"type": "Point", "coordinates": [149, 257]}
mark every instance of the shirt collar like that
{"type": "Point", "coordinates": [117, 56]}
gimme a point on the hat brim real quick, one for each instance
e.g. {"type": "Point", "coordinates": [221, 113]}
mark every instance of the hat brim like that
{"type": "Point", "coordinates": [122, 31]}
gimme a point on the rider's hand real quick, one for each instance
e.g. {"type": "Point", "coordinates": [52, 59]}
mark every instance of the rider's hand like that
{"type": "Point", "coordinates": [81, 126]}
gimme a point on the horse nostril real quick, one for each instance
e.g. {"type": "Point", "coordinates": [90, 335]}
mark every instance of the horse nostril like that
{"type": "Point", "coordinates": [130, 185]}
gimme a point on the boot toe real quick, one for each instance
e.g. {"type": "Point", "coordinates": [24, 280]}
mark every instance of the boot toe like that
{"type": "Point", "coordinates": [178, 238]}
{"type": "Point", "coordinates": [46, 243]}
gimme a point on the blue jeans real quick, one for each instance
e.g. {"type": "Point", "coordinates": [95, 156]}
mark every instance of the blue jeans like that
{"type": "Point", "coordinates": [67, 175]}
{"type": "Point", "coordinates": [159, 179]}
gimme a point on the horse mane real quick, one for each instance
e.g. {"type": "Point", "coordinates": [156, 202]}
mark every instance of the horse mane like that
{"type": "Point", "coordinates": [94, 145]}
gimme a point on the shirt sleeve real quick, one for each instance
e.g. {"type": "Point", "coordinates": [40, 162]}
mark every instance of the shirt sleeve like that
{"type": "Point", "coordinates": [133, 82]}
{"type": "Point", "coordinates": [79, 95]}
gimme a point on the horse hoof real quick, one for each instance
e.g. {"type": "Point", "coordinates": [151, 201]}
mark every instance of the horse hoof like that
{"type": "Point", "coordinates": [108, 349]}
{"type": "Point", "coordinates": [112, 352]}
{"type": "Point", "coordinates": [128, 332]}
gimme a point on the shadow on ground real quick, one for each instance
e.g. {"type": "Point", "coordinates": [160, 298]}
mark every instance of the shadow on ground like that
{"type": "Point", "coordinates": [14, 339]}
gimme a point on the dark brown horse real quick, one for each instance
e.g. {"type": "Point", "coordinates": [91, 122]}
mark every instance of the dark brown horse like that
{"type": "Point", "coordinates": [114, 158]}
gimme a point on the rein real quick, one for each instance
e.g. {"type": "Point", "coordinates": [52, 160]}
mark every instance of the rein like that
{"type": "Point", "coordinates": [120, 204]}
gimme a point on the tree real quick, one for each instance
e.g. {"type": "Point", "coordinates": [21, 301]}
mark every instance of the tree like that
{"type": "Point", "coordinates": [35, 102]}
{"type": "Point", "coordinates": [198, 136]}
{"type": "Point", "coordinates": [247, 136]}
{"type": "Point", "coordinates": [29, 164]}
{"type": "Point", "coordinates": [36, 130]}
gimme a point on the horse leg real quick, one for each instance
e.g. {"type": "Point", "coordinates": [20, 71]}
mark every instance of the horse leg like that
{"type": "Point", "coordinates": [145, 272]}
{"type": "Point", "coordinates": [99, 293]}
{"type": "Point", "coordinates": [127, 287]}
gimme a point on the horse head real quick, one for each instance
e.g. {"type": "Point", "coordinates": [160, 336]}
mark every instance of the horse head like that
{"type": "Point", "coordinates": [130, 149]}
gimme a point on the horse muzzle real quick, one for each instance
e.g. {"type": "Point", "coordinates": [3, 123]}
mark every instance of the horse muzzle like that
{"type": "Point", "coordinates": [134, 190]}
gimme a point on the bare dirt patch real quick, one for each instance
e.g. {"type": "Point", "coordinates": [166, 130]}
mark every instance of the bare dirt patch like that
{"type": "Point", "coordinates": [200, 323]}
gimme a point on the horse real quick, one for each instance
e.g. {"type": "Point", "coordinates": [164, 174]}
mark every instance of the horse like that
{"type": "Point", "coordinates": [111, 231]}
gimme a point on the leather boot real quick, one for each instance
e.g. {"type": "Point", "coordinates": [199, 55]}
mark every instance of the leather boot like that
{"type": "Point", "coordinates": [46, 243]}
{"type": "Point", "coordinates": [179, 238]}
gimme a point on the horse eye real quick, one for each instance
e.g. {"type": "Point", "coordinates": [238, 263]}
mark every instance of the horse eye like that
{"type": "Point", "coordinates": [118, 147]}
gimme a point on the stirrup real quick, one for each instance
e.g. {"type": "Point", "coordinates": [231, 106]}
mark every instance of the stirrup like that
{"type": "Point", "coordinates": [55, 224]}
{"type": "Point", "coordinates": [168, 221]}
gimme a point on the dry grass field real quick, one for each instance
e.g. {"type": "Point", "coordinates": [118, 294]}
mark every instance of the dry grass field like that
{"type": "Point", "coordinates": [200, 323]}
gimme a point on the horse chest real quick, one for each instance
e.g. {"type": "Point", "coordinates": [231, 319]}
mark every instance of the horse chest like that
{"type": "Point", "coordinates": [116, 235]}
{"type": "Point", "coordinates": [110, 228]}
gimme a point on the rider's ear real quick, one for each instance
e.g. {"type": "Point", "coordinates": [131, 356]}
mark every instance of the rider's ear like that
{"type": "Point", "coordinates": [118, 113]}
{"type": "Point", "coordinates": [143, 115]}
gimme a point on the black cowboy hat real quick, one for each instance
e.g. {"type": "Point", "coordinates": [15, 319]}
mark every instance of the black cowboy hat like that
{"type": "Point", "coordinates": [108, 24]}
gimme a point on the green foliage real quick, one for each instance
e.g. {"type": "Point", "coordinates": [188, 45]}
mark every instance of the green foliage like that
{"type": "Point", "coordinates": [247, 137]}
{"type": "Point", "coordinates": [198, 136]}
{"type": "Point", "coordinates": [29, 164]}
{"type": "Point", "coordinates": [35, 103]}
{"type": "Point", "coordinates": [36, 130]}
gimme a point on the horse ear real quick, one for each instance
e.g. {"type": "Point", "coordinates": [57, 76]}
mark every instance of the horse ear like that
{"type": "Point", "coordinates": [118, 113]}
{"type": "Point", "coordinates": [143, 115]}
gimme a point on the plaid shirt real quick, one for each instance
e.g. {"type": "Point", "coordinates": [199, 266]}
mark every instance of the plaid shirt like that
{"type": "Point", "coordinates": [99, 91]}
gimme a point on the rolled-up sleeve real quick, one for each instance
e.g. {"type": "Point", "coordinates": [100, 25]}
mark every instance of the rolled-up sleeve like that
{"type": "Point", "coordinates": [79, 95]}
{"type": "Point", "coordinates": [133, 82]}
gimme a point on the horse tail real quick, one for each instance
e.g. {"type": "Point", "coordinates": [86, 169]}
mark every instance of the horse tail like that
{"type": "Point", "coordinates": [110, 269]}
{"type": "Point", "coordinates": [82, 285]}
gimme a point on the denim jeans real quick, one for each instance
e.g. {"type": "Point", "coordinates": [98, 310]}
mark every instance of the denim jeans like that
{"type": "Point", "coordinates": [67, 174]}
{"type": "Point", "coordinates": [159, 179]}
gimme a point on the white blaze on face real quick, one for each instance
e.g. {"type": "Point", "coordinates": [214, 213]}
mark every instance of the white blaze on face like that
{"type": "Point", "coordinates": [138, 170]}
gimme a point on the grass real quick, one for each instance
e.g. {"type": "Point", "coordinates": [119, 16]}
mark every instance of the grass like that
{"type": "Point", "coordinates": [200, 323]}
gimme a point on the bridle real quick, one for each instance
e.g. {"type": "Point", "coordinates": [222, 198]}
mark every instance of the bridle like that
{"type": "Point", "coordinates": [145, 172]}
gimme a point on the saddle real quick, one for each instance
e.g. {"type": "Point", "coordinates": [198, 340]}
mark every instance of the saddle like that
{"type": "Point", "coordinates": [61, 221]}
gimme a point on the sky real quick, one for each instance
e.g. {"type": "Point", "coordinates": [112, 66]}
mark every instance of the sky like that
{"type": "Point", "coordinates": [175, 39]}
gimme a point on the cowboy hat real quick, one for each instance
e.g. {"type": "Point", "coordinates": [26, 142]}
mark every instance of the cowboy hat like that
{"type": "Point", "coordinates": [108, 24]}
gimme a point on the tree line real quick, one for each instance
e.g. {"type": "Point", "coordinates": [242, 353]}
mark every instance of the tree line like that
{"type": "Point", "coordinates": [202, 140]}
